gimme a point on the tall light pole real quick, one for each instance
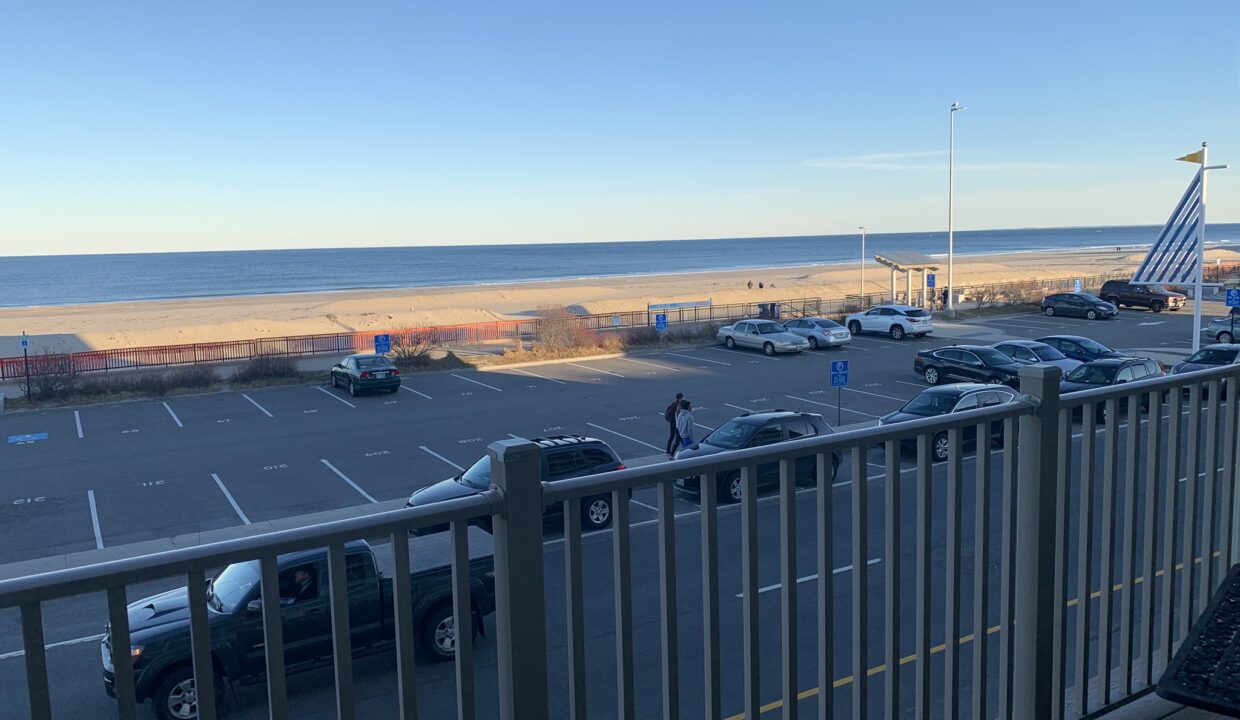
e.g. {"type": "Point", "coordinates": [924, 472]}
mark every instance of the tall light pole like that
{"type": "Point", "coordinates": [951, 189]}
{"type": "Point", "coordinates": [862, 228]}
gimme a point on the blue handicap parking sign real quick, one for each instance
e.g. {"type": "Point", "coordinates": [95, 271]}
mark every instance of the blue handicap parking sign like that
{"type": "Point", "coordinates": [930, 280]}
{"type": "Point", "coordinates": [660, 322]}
{"type": "Point", "coordinates": [27, 439]}
{"type": "Point", "coordinates": [839, 373]}
{"type": "Point", "coordinates": [1233, 297]}
{"type": "Point", "coordinates": [25, 342]}
{"type": "Point", "coordinates": [383, 344]}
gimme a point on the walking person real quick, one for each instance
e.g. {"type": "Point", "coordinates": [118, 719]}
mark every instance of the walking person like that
{"type": "Point", "coordinates": [673, 435]}
{"type": "Point", "coordinates": [944, 298]}
{"type": "Point", "coordinates": [684, 424]}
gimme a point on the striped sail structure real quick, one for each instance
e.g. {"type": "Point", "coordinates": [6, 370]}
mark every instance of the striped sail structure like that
{"type": "Point", "coordinates": [1173, 258]}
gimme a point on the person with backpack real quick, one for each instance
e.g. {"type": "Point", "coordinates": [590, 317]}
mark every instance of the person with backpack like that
{"type": "Point", "coordinates": [669, 415]}
{"type": "Point", "coordinates": [684, 424]}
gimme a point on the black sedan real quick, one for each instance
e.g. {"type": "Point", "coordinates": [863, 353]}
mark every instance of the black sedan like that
{"type": "Point", "coordinates": [366, 372]}
{"type": "Point", "coordinates": [1080, 348]}
{"type": "Point", "coordinates": [972, 363]}
{"type": "Point", "coordinates": [754, 430]}
{"type": "Point", "coordinates": [946, 399]}
{"type": "Point", "coordinates": [1110, 371]}
{"type": "Point", "coordinates": [1079, 304]}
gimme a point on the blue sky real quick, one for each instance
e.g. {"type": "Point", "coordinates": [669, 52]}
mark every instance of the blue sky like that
{"type": "Point", "coordinates": [174, 126]}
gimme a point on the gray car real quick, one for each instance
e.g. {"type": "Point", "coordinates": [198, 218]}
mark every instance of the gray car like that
{"type": "Point", "coordinates": [820, 332]}
{"type": "Point", "coordinates": [1029, 352]}
{"type": "Point", "coordinates": [1222, 329]}
{"type": "Point", "coordinates": [765, 335]}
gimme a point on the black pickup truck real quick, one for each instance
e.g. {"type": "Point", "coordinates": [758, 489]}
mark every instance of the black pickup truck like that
{"type": "Point", "coordinates": [160, 635]}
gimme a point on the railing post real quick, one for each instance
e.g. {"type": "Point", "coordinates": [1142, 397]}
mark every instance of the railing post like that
{"type": "Point", "coordinates": [520, 618]}
{"type": "Point", "coordinates": [1037, 450]}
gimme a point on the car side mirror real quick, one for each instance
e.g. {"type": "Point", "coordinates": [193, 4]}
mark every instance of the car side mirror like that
{"type": "Point", "coordinates": [255, 606]}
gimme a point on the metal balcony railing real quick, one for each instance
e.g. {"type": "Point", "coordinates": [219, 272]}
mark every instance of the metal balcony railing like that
{"type": "Point", "coordinates": [1047, 578]}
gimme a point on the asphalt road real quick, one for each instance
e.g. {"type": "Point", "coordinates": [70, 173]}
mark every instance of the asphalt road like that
{"type": "Point", "coordinates": [114, 474]}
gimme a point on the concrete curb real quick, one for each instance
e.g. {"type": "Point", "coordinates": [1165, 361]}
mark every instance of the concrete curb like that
{"type": "Point", "coordinates": [536, 363]}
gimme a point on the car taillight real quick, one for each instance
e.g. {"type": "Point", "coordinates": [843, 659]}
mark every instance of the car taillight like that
{"type": "Point", "coordinates": [365, 374]}
{"type": "Point", "coordinates": [395, 371]}
{"type": "Point", "coordinates": [621, 467]}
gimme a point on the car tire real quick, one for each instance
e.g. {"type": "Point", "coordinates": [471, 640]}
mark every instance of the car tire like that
{"type": "Point", "coordinates": [940, 447]}
{"type": "Point", "coordinates": [768, 348]}
{"type": "Point", "coordinates": [1091, 314]}
{"type": "Point", "coordinates": [854, 327]}
{"type": "Point", "coordinates": [813, 342]}
{"type": "Point", "coordinates": [932, 376]}
{"type": "Point", "coordinates": [596, 512]}
{"type": "Point", "coordinates": [352, 389]}
{"type": "Point", "coordinates": [1224, 337]}
{"type": "Point", "coordinates": [1156, 306]}
{"type": "Point", "coordinates": [1049, 311]}
{"type": "Point", "coordinates": [174, 697]}
{"type": "Point", "coordinates": [730, 343]}
{"type": "Point", "coordinates": [438, 633]}
{"type": "Point", "coordinates": [1114, 300]}
{"type": "Point", "coordinates": [731, 489]}
{"type": "Point", "coordinates": [994, 380]}
{"type": "Point", "coordinates": [335, 381]}
{"type": "Point", "coordinates": [896, 332]}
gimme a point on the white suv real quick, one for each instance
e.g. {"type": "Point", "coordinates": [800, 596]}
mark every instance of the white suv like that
{"type": "Point", "coordinates": [894, 320]}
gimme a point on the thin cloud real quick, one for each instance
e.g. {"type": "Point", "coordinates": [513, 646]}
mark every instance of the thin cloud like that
{"type": "Point", "coordinates": [932, 161]}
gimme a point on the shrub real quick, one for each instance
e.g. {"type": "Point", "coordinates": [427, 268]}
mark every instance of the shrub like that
{"type": "Point", "coordinates": [51, 375]}
{"type": "Point", "coordinates": [411, 351]}
{"type": "Point", "coordinates": [559, 329]}
{"type": "Point", "coordinates": [263, 367]}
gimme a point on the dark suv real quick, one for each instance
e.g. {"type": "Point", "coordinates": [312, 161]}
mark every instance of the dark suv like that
{"type": "Point", "coordinates": [754, 429]}
{"type": "Point", "coordinates": [972, 363]}
{"type": "Point", "coordinates": [1155, 297]}
{"type": "Point", "coordinates": [563, 457]}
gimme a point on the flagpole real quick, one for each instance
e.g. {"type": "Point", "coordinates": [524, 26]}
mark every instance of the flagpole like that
{"type": "Point", "coordinates": [1201, 256]}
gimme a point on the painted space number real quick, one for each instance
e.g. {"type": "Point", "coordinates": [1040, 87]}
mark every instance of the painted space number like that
{"type": "Point", "coordinates": [281, 466]}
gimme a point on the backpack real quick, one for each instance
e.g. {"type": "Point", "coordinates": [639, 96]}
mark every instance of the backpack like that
{"type": "Point", "coordinates": [670, 413]}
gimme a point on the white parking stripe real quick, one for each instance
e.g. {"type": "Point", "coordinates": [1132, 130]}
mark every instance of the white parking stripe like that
{"type": "Point", "coordinates": [175, 419]}
{"type": "Point", "coordinates": [77, 419]}
{"type": "Point", "coordinates": [919, 386]}
{"type": "Point", "coordinates": [741, 352]}
{"type": "Point", "coordinates": [255, 404]}
{"type": "Point", "coordinates": [415, 392]}
{"type": "Point", "coordinates": [62, 643]}
{"type": "Point", "coordinates": [690, 357]}
{"type": "Point", "coordinates": [591, 369]}
{"type": "Point", "coordinates": [344, 477]}
{"type": "Point", "coordinates": [815, 402]}
{"type": "Point", "coordinates": [229, 496]}
{"type": "Point", "coordinates": [492, 387]}
{"type": "Point", "coordinates": [334, 396]}
{"type": "Point", "coordinates": [441, 457]}
{"type": "Point", "coordinates": [635, 501]}
{"type": "Point", "coordinates": [94, 519]}
{"type": "Point", "coordinates": [738, 407]}
{"type": "Point", "coordinates": [704, 427]}
{"type": "Point", "coordinates": [807, 578]}
{"type": "Point", "coordinates": [540, 377]}
{"type": "Point", "coordinates": [643, 362]}
{"type": "Point", "coordinates": [626, 437]}
{"type": "Point", "coordinates": [879, 395]}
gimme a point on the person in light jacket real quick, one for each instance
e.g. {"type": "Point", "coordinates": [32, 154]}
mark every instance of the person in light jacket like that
{"type": "Point", "coordinates": [684, 424]}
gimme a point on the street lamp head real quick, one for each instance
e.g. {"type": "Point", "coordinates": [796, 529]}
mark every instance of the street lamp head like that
{"type": "Point", "coordinates": [957, 106]}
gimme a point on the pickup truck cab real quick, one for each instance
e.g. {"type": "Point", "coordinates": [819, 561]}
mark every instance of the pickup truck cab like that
{"type": "Point", "coordinates": [160, 634]}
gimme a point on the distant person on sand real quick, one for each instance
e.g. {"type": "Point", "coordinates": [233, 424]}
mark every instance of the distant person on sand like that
{"type": "Point", "coordinates": [749, 284]}
{"type": "Point", "coordinates": [759, 284]}
{"type": "Point", "coordinates": [772, 284]}
{"type": "Point", "coordinates": [684, 424]}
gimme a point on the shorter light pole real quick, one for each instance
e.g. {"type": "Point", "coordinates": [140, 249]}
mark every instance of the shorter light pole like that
{"type": "Point", "coordinates": [862, 228]}
{"type": "Point", "coordinates": [26, 356]}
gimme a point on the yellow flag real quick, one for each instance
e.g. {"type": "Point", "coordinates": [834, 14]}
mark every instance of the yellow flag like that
{"type": "Point", "coordinates": [1192, 157]}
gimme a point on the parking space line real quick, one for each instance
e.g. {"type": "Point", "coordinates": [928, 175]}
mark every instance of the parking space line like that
{"type": "Point", "coordinates": [344, 477]}
{"type": "Point", "coordinates": [492, 387]}
{"type": "Point", "coordinates": [738, 407]}
{"type": "Point", "coordinates": [175, 419]}
{"type": "Point", "coordinates": [704, 427]}
{"type": "Point", "coordinates": [77, 420]}
{"type": "Point", "coordinates": [815, 402]}
{"type": "Point", "coordinates": [94, 519]}
{"type": "Point", "coordinates": [807, 578]}
{"type": "Point", "coordinates": [919, 386]}
{"type": "Point", "coordinates": [540, 377]}
{"type": "Point", "coordinates": [415, 392]}
{"type": "Point", "coordinates": [690, 357]}
{"type": "Point", "coordinates": [878, 395]}
{"type": "Point", "coordinates": [643, 362]}
{"type": "Point", "coordinates": [639, 502]}
{"type": "Point", "coordinates": [230, 499]}
{"type": "Point", "coordinates": [585, 367]}
{"type": "Point", "coordinates": [255, 404]}
{"type": "Point", "coordinates": [62, 643]}
{"type": "Point", "coordinates": [626, 437]}
{"type": "Point", "coordinates": [334, 396]}
{"type": "Point", "coordinates": [739, 352]}
{"type": "Point", "coordinates": [441, 457]}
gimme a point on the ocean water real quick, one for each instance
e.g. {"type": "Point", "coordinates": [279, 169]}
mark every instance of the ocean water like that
{"type": "Point", "coordinates": [73, 279]}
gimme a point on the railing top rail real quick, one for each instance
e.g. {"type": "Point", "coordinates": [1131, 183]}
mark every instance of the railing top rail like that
{"type": "Point", "coordinates": [1102, 394]}
{"type": "Point", "coordinates": [130, 570]}
{"type": "Point", "coordinates": [576, 488]}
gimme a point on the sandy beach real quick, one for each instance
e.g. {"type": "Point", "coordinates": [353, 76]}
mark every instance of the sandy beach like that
{"type": "Point", "coordinates": [136, 324]}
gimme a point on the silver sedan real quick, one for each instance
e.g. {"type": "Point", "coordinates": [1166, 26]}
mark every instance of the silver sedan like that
{"type": "Point", "coordinates": [768, 336]}
{"type": "Point", "coordinates": [820, 332]}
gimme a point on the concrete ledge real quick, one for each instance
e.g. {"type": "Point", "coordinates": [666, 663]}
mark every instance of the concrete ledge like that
{"type": "Point", "coordinates": [535, 363]}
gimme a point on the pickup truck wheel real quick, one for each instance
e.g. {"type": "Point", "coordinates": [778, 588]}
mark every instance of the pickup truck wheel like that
{"type": "Point", "coordinates": [439, 633]}
{"type": "Point", "coordinates": [1156, 306]}
{"type": "Point", "coordinates": [1114, 300]}
{"type": "Point", "coordinates": [175, 697]}
{"type": "Point", "coordinates": [596, 512]}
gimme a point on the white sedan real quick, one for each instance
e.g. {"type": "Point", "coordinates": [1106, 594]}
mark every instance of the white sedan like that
{"type": "Point", "coordinates": [894, 320]}
{"type": "Point", "coordinates": [768, 336]}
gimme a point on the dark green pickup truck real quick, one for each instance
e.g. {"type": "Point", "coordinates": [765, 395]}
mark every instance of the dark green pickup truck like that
{"type": "Point", "coordinates": [160, 635]}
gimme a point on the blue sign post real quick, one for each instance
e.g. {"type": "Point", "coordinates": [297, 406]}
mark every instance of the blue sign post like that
{"type": "Point", "coordinates": [660, 322]}
{"type": "Point", "coordinates": [1076, 285]}
{"type": "Point", "coordinates": [383, 344]}
{"type": "Point", "coordinates": [1233, 297]}
{"type": "Point", "coordinates": [930, 280]}
{"type": "Point", "coordinates": [839, 378]}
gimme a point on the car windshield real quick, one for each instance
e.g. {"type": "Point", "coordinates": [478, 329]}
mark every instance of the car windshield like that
{"type": "Point", "coordinates": [829, 324]}
{"type": "Point", "coordinates": [1214, 356]}
{"type": "Point", "coordinates": [233, 584]}
{"type": "Point", "coordinates": [931, 403]}
{"type": "Point", "coordinates": [1093, 374]}
{"type": "Point", "coordinates": [1046, 352]}
{"type": "Point", "coordinates": [478, 476]}
{"type": "Point", "coordinates": [1093, 346]}
{"type": "Point", "coordinates": [372, 363]}
{"type": "Point", "coordinates": [1158, 289]}
{"type": "Point", "coordinates": [916, 312]}
{"type": "Point", "coordinates": [992, 357]}
{"type": "Point", "coordinates": [732, 435]}
{"type": "Point", "coordinates": [770, 328]}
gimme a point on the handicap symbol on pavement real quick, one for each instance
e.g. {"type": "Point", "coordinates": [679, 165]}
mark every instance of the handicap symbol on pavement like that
{"type": "Point", "coordinates": [27, 439]}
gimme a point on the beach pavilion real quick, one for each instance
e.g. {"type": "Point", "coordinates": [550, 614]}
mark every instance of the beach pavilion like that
{"type": "Point", "coordinates": [908, 263]}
